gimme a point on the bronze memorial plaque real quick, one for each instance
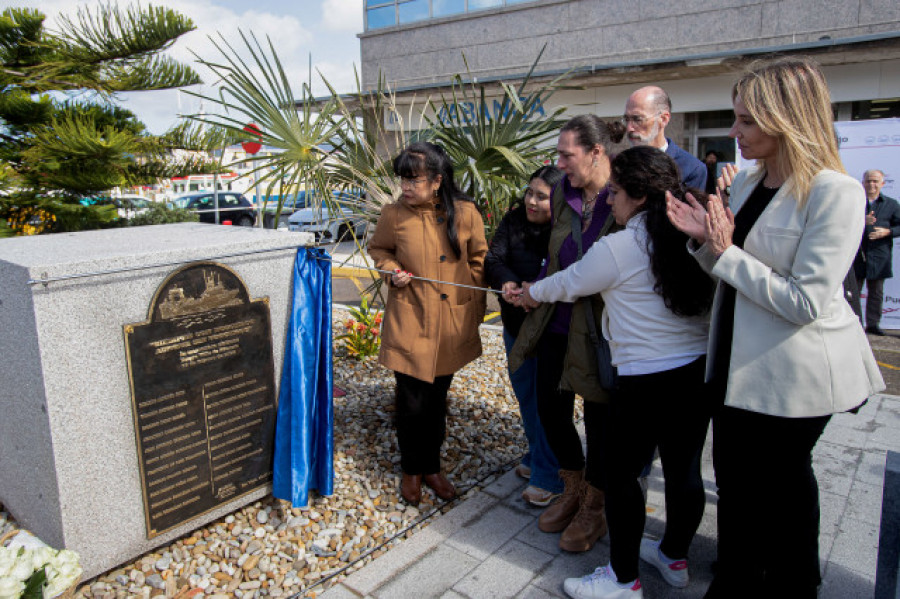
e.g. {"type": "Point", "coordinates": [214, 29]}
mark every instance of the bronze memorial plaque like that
{"type": "Point", "coordinates": [203, 392]}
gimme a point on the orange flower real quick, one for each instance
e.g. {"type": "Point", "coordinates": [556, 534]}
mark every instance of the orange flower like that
{"type": "Point", "coordinates": [349, 324]}
{"type": "Point", "coordinates": [378, 319]}
{"type": "Point", "coordinates": [360, 327]}
{"type": "Point", "coordinates": [374, 331]}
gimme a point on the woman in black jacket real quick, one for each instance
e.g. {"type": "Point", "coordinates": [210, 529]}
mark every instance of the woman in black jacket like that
{"type": "Point", "coordinates": [515, 255]}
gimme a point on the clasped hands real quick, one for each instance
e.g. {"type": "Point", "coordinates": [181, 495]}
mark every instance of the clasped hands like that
{"type": "Point", "coordinates": [876, 232]}
{"type": "Point", "coordinates": [519, 296]}
{"type": "Point", "coordinates": [713, 225]}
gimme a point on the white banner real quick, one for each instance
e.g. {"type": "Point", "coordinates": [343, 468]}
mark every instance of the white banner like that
{"type": "Point", "coordinates": [868, 145]}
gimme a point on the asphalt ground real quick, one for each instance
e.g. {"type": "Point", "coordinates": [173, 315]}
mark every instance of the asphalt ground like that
{"type": "Point", "coordinates": [887, 353]}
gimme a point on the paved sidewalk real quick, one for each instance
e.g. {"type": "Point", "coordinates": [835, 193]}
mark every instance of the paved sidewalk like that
{"type": "Point", "coordinates": [489, 546]}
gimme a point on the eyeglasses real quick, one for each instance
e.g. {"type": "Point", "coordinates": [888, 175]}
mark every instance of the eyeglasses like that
{"type": "Point", "coordinates": [637, 120]}
{"type": "Point", "coordinates": [411, 181]}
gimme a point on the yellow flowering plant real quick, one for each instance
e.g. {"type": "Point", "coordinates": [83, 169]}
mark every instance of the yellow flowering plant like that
{"type": "Point", "coordinates": [363, 331]}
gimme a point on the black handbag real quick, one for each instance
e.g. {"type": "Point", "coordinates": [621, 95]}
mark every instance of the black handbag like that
{"type": "Point", "coordinates": [607, 372]}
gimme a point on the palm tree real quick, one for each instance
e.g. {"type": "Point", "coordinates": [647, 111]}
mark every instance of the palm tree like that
{"type": "Point", "coordinates": [496, 147]}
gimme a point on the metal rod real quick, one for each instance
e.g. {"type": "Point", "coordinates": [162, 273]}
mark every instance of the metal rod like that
{"type": "Point", "coordinates": [46, 280]}
{"type": "Point", "coordinates": [438, 281]}
{"type": "Point", "coordinates": [98, 273]}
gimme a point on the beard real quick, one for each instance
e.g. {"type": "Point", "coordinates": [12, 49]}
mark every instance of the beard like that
{"type": "Point", "coordinates": [636, 139]}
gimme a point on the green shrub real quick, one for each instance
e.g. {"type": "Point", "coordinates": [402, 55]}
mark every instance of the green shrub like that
{"type": "Point", "coordinates": [160, 214]}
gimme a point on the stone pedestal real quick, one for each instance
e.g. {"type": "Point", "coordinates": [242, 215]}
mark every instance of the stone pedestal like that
{"type": "Point", "coordinates": [68, 457]}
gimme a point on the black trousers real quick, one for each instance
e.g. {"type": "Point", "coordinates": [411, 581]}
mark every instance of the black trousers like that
{"type": "Point", "coordinates": [874, 300]}
{"type": "Point", "coordinates": [556, 408]}
{"type": "Point", "coordinates": [768, 511]}
{"type": "Point", "coordinates": [670, 410]}
{"type": "Point", "coordinates": [421, 422]}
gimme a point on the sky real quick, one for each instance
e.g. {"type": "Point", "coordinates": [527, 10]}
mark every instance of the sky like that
{"type": "Point", "coordinates": [325, 28]}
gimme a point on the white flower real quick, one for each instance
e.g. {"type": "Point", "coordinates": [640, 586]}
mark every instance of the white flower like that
{"type": "Point", "coordinates": [22, 568]}
{"type": "Point", "coordinates": [7, 560]}
{"type": "Point", "coordinates": [60, 578]}
{"type": "Point", "coordinates": [65, 556]}
{"type": "Point", "coordinates": [10, 588]}
{"type": "Point", "coordinates": [41, 556]}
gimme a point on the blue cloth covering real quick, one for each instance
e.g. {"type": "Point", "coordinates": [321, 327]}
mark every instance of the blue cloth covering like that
{"type": "Point", "coordinates": [304, 441]}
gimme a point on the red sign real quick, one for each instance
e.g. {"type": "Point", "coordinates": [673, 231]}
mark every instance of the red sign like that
{"type": "Point", "coordinates": [252, 147]}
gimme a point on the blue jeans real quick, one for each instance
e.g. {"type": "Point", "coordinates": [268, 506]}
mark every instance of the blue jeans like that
{"type": "Point", "coordinates": [539, 457]}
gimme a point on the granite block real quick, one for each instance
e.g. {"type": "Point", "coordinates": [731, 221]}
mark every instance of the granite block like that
{"type": "Point", "coordinates": [68, 457]}
{"type": "Point", "coordinates": [568, 565]}
{"type": "Point", "coordinates": [508, 484]}
{"type": "Point", "coordinates": [430, 575]}
{"type": "Point", "coordinates": [492, 530]}
{"type": "Point", "coordinates": [831, 509]}
{"type": "Point", "coordinates": [871, 467]}
{"type": "Point", "coordinates": [855, 547]}
{"type": "Point", "coordinates": [840, 583]}
{"type": "Point", "coordinates": [398, 559]}
{"type": "Point", "coordinates": [535, 537]}
{"type": "Point", "coordinates": [848, 436]}
{"type": "Point", "coordinates": [503, 574]}
{"type": "Point", "coordinates": [889, 415]}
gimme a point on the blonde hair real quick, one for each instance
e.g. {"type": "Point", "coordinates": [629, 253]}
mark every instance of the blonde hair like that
{"type": "Point", "coordinates": [789, 99]}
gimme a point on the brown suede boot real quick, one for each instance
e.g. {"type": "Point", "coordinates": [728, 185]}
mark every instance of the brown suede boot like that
{"type": "Point", "coordinates": [557, 517]}
{"type": "Point", "coordinates": [588, 525]}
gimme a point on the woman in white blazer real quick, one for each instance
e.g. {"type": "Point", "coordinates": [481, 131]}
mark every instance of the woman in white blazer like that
{"type": "Point", "coordinates": [786, 351]}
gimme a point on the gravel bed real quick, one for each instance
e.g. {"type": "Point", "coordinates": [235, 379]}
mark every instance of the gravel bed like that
{"type": "Point", "coordinates": [269, 549]}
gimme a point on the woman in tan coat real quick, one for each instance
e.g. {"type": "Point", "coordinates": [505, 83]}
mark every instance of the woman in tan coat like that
{"type": "Point", "coordinates": [430, 329]}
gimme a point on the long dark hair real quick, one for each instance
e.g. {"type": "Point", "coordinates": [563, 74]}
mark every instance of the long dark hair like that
{"type": "Point", "coordinates": [549, 174]}
{"type": "Point", "coordinates": [646, 172]}
{"type": "Point", "coordinates": [425, 159]}
{"type": "Point", "coordinates": [590, 130]}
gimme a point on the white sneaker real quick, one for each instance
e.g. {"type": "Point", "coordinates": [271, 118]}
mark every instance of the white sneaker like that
{"type": "Point", "coordinates": [675, 572]}
{"type": "Point", "coordinates": [538, 497]}
{"type": "Point", "coordinates": [523, 471]}
{"type": "Point", "coordinates": [602, 584]}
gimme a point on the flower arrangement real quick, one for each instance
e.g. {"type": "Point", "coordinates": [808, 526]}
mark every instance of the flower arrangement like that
{"type": "Point", "coordinates": [363, 331]}
{"type": "Point", "coordinates": [38, 573]}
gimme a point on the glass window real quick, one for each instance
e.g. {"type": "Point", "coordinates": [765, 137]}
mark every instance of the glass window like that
{"type": "Point", "coordinates": [479, 4]}
{"type": "Point", "coordinates": [413, 10]}
{"type": "Point", "coordinates": [715, 119]}
{"type": "Point", "coordinates": [441, 8]}
{"type": "Point", "coordinates": [876, 109]}
{"type": "Point", "coordinates": [376, 18]}
{"type": "Point", "coordinates": [517, 1]}
{"type": "Point", "coordinates": [370, 3]}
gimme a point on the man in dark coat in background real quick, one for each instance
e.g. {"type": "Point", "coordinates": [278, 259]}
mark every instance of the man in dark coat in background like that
{"type": "Point", "coordinates": [874, 260]}
{"type": "Point", "coordinates": [647, 112]}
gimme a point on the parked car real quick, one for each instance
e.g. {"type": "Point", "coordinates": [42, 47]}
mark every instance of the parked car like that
{"type": "Point", "coordinates": [292, 203]}
{"type": "Point", "coordinates": [130, 206]}
{"type": "Point", "coordinates": [329, 224]}
{"type": "Point", "coordinates": [233, 207]}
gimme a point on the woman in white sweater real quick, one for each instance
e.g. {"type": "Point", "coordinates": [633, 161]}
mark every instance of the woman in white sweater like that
{"type": "Point", "coordinates": [657, 300]}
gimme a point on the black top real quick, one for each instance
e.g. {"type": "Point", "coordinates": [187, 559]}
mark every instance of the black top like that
{"type": "Point", "coordinates": [516, 252]}
{"type": "Point", "coordinates": [743, 223]}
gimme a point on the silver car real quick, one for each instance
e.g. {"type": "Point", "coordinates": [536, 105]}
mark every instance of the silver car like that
{"type": "Point", "coordinates": [329, 225]}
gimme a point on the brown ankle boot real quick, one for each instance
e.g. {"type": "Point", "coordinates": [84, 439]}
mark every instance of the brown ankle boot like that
{"type": "Point", "coordinates": [588, 525]}
{"type": "Point", "coordinates": [557, 517]}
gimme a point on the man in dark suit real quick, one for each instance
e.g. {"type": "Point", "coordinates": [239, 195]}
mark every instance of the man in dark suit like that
{"type": "Point", "coordinates": [647, 113]}
{"type": "Point", "coordinates": [873, 262]}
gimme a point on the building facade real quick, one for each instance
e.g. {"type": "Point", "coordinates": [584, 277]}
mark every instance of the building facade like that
{"type": "Point", "coordinates": [692, 48]}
